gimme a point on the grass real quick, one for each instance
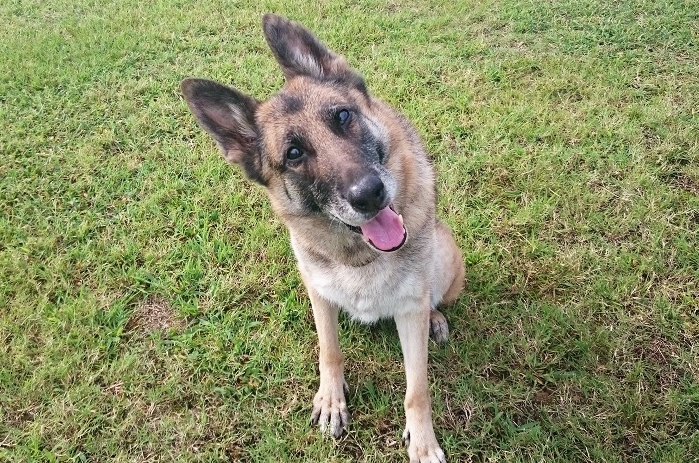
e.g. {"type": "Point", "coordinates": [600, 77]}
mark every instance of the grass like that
{"type": "Point", "coordinates": [150, 309]}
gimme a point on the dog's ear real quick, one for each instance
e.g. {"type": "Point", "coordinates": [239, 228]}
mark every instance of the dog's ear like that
{"type": "Point", "coordinates": [299, 52]}
{"type": "Point", "coordinates": [229, 117]}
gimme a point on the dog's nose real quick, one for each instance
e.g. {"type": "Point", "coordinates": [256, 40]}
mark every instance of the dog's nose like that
{"type": "Point", "coordinates": [368, 194]}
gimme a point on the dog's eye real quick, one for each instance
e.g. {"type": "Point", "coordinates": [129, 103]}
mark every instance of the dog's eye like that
{"type": "Point", "coordinates": [293, 154]}
{"type": "Point", "coordinates": [343, 116]}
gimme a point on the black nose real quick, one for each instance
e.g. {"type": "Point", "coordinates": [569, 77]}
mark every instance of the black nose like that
{"type": "Point", "coordinates": [368, 194]}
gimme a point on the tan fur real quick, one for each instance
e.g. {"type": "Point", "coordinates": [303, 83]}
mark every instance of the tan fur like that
{"type": "Point", "coordinates": [321, 171]}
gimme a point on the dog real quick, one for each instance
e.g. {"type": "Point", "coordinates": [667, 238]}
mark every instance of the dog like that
{"type": "Point", "coordinates": [351, 180]}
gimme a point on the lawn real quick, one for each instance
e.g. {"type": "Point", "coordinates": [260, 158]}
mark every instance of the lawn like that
{"type": "Point", "coordinates": [150, 308]}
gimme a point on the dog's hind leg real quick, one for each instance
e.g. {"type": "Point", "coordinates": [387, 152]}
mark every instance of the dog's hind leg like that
{"type": "Point", "coordinates": [449, 267]}
{"type": "Point", "coordinates": [439, 328]}
{"type": "Point", "coordinates": [448, 280]}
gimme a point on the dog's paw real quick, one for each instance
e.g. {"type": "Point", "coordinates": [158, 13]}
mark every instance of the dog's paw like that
{"type": "Point", "coordinates": [330, 409]}
{"type": "Point", "coordinates": [439, 328]}
{"type": "Point", "coordinates": [424, 450]}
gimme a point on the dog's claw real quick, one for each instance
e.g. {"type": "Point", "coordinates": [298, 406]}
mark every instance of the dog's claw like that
{"type": "Point", "coordinates": [439, 328]}
{"type": "Point", "coordinates": [330, 410]}
{"type": "Point", "coordinates": [315, 414]}
{"type": "Point", "coordinates": [424, 452]}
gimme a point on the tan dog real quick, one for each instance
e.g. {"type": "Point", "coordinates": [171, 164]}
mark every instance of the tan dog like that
{"type": "Point", "coordinates": [351, 180]}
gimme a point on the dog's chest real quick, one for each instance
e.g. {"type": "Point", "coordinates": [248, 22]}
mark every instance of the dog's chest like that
{"type": "Point", "coordinates": [378, 290]}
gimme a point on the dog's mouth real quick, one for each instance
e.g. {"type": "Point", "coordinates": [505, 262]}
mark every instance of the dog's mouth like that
{"type": "Point", "coordinates": [385, 231]}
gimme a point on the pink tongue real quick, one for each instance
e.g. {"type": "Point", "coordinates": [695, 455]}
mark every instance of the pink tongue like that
{"type": "Point", "coordinates": [385, 231]}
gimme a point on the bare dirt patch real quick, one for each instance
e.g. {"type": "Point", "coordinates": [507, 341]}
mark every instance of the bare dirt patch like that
{"type": "Point", "coordinates": [687, 183]}
{"type": "Point", "coordinates": [154, 314]}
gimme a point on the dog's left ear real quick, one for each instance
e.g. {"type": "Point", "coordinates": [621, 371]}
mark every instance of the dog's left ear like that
{"type": "Point", "coordinates": [229, 117]}
{"type": "Point", "coordinates": [300, 53]}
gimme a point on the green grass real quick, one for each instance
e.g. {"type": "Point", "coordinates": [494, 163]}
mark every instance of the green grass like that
{"type": "Point", "coordinates": [150, 309]}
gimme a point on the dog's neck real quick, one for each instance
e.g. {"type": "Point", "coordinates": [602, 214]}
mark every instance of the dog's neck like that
{"type": "Point", "coordinates": [327, 242]}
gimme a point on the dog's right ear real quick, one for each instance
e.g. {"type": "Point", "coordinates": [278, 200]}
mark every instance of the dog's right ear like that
{"type": "Point", "coordinates": [229, 117]}
{"type": "Point", "coordinates": [300, 53]}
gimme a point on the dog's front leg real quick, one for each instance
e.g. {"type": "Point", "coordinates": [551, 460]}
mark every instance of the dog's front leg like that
{"type": "Point", "coordinates": [413, 330]}
{"type": "Point", "coordinates": [329, 404]}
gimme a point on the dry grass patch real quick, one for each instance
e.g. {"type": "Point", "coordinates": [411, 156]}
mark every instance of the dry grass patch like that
{"type": "Point", "coordinates": [155, 314]}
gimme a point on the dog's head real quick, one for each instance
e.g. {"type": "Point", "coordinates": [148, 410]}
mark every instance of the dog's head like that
{"type": "Point", "coordinates": [316, 145]}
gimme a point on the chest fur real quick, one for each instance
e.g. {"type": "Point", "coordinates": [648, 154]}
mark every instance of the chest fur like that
{"type": "Point", "coordinates": [383, 288]}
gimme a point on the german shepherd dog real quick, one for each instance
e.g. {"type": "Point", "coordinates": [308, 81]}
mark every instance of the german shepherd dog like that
{"type": "Point", "coordinates": [351, 180]}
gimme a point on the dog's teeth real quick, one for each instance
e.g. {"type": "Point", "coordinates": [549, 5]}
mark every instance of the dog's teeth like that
{"type": "Point", "coordinates": [400, 217]}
